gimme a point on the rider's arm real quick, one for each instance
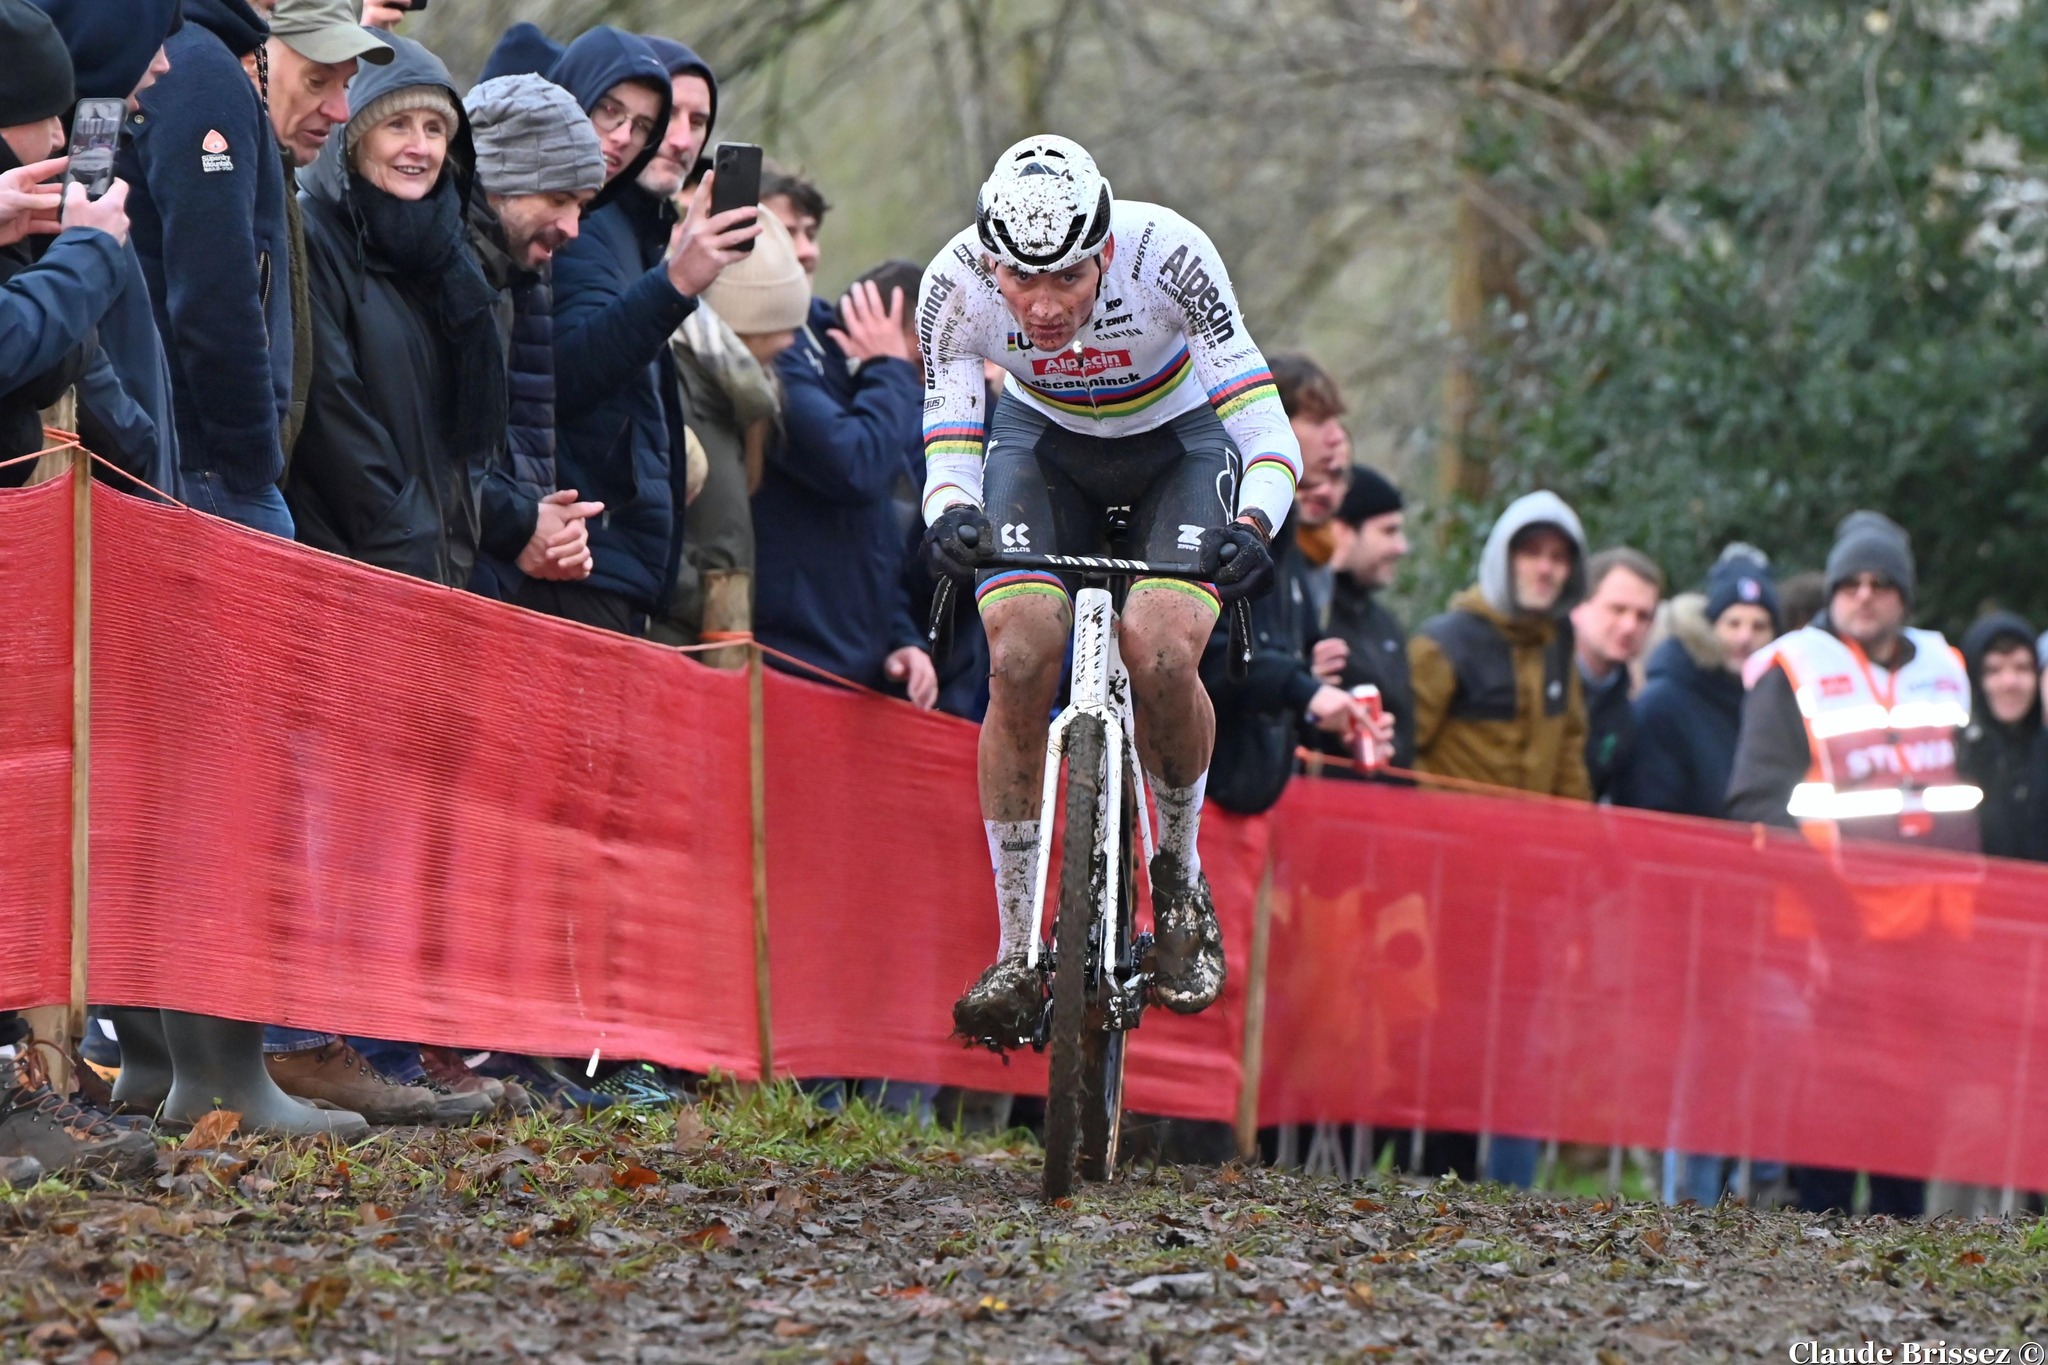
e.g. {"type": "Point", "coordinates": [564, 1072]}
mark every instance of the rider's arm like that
{"type": "Point", "coordinates": [955, 423]}
{"type": "Point", "coordinates": [1240, 386]}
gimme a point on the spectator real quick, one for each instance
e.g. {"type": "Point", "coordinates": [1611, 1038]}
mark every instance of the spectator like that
{"type": "Point", "coordinates": [693, 109]}
{"type": "Point", "coordinates": [312, 53]}
{"type": "Point", "coordinates": [622, 287]}
{"type": "Point", "coordinates": [829, 535]}
{"type": "Point", "coordinates": [1690, 710]}
{"type": "Point", "coordinates": [1497, 698]}
{"type": "Point", "coordinates": [538, 163]}
{"type": "Point", "coordinates": [124, 400]}
{"type": "Point", "coordinates": [208, 206]}
{"type": "Point", "coordinates": [56, 289]}
{"type": "Point", "coordinates": [1364, 642]}
{"type": "Point", "coordinates": [2004, 751]}
{"type": "Point", "coordinates": [523, 51]}
{"type": "Point", "coordinates": [408, 406]}
{"type": "Point", "coordinates": [1859, 670]}
{"type": "Point", "coordinates": [1686, 720]}
{"type": "Point", "coordinates": [1610, 629]}
{"type": "Point", "coordinates": [801, 206]}
{"type": "Point", "coordinates": [1315, 409]}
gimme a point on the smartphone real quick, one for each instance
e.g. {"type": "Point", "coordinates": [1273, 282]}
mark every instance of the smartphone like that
{"type": "Point", "coordinates": [95, 136]}
{"type": "Point", "coordinates": [737, 166]}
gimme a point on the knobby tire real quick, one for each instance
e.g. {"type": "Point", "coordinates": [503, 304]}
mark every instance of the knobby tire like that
{"type": "Point", "coordinates": [1069, 1063]}
{"type": "Point", "coordinates": [1105, 1049]}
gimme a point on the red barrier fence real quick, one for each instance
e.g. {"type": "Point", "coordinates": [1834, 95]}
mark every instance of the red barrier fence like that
{"type": "Point", "coordinates": [329, 796]}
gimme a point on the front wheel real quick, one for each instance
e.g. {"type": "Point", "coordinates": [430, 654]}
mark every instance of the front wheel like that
{"type": "Point", "coordinates": [1069, 1067]}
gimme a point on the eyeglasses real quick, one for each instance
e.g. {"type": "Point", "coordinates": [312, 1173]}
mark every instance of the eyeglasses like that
{"type": "Point", "coordinates": [607, 114]}
{"type": "Point", "coordinates": [1866, 582]}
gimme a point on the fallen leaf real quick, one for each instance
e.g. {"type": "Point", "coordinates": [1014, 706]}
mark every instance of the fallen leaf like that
{"type": "Point", "coordinates": [634, 1176]}
{"type": "Point", "coordinates": [519, 1238]}
{"type": "Point", "coordinates": [323, 1295]}
{"type": "Point", "coordinates": [692, 1132]}
{"type": "Point", "coordinates": [1607, 1357]}
{"type": "Point", "coordinates": [1970, 1258]}
{"type": "Point", "coordinates": [712, 1236]}
{"type": "Point", "coordinates": [1358, 1295]}
{"type": "Point", "coordinates": [211, 1130]}
{"type": "Point", "coordinates": [1368, 1205]}
{"type": "Point", "coordinates": [789, 1327]}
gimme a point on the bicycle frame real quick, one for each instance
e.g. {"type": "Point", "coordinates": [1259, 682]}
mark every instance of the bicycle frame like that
{"type": "Point", "coordinates": [1101, 687]}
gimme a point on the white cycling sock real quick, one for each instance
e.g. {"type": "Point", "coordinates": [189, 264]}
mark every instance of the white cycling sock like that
{"type": "Point", "coordinates": [1180, 818]}
{"type": "Point", "coordinates": [1013, 848]}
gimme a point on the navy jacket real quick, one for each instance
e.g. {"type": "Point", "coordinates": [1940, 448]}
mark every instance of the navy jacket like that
{"type": "Point", "coordinates": [1259, 716]}
{"type": "Point", "coordinates": [1686, 723]}
{"type": "Point", "coordinates": [206, 202]}
{"type": "Point", "coordinates": [828, 540]}
{"type": "Point", "coordinates": [125, 401]}
{"type": "Point", "coordinates": [618, 406]}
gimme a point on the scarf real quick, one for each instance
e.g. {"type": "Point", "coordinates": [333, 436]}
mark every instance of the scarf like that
{"type": "Point", "coordinates": [425, 244]}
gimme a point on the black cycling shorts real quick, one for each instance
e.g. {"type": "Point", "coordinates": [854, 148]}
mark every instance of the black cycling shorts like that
{"type": "Point", "coordinates": [1050, 491]}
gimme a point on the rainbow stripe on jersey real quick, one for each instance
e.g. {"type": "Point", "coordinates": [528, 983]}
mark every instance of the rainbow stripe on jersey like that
{"type": "Point", "coordinates": [1117, 400]}
{"type": "Point", "coordinates": [1240, 391]}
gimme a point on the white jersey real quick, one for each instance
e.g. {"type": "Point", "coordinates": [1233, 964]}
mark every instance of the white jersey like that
{"type": "Point", "coordinates": [1165, 338]}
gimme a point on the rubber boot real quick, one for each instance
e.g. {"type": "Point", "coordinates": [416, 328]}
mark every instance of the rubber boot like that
{"type": "Point", "coordinates": [144, 1082]}
{"type": "Point", "coordinates": [728, 615]}
{"type": "Point", "coordinates": [218, 1064]}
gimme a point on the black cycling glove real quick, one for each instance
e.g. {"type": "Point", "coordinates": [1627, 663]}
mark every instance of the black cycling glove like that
{"type": "Point", "coordinates": [1246, 570]}
{"type": "Point", "coordinates": [960, 542]}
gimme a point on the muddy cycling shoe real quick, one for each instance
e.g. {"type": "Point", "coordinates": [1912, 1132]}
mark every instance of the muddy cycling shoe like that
{"type": "Point", "coordinates": [1003, 1005]}
{"type": "Point", "coordinates": [1187, 963]}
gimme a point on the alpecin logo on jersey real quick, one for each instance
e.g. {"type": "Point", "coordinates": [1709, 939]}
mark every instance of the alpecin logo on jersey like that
{"type": "Point", "coordinates": [1086, 365]}
{"type": "Point", "coordinates": [1187, 280]}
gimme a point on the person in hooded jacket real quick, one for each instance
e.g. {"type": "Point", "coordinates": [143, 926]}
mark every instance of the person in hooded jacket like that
{"type": "Point", "coordinates": [621, 290]}
{"type": "Point", "coordinates": [124, 393]}
{"type": "Point", "coordinates": [1690, 710]}
{"type": "Point", "coordinates": [407, 407]}
{"type": "Point", "coordinates": [2004, 750]}
{"type": "Point", "coordinates": [1497, 697]}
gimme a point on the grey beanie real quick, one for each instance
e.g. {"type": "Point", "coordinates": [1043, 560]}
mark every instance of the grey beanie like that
{"type": "Point", "coordinates": [1871, 542]}
{"type": "Point", "coordinates": [532, 137]}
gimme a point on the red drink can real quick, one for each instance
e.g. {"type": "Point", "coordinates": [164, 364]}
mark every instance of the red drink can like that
{"type": "Point", "coordinates": [1364, 749]}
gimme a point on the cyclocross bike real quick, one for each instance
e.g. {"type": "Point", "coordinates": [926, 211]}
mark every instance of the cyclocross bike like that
{"type": "Point", "coordinates": [1097, 969]}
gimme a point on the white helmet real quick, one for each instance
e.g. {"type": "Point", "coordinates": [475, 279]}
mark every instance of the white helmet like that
{"type": "Point", "coordinates": [1044, 206]}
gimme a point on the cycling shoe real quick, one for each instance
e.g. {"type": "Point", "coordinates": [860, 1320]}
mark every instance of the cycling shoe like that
{"type": "Point", "coordinates": [1003, 1005]}
{"type": "Point", "coordinates": [1187, 970]}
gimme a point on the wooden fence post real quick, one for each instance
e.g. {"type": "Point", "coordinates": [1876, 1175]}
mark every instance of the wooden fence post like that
{"type": "Point", "coordinates": [757, 764]}
{"type": "Point", "coordinates": [1255, 1014]}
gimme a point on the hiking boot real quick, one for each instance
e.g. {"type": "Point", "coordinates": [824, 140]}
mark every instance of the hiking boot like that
{"type": "Point", "coordinates": [1003, 1005]}
{"type": "Point", "coordinates": [639, 1085]}
{"type": "Point", "coordinates": [1187, 963]}
{"type": "Point", "coordinates": [19, 1172]}
{"type": "Point", "coordinates": [337, 1073]}
{"type": "Point", "coordinates": [446, 1069]}
{"type": "Point", "coordinates": [540, 1085]}
{"type": "Point", "coordinates": [62, 1134]}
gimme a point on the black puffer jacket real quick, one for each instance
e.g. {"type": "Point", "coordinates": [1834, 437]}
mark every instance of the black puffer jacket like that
{"type": "Point", "coordinates": [376, 475]}
{"type": "Point", "coordinates": [1258, 716]}
{"type": "Point", "coordinates": [2010, 762]}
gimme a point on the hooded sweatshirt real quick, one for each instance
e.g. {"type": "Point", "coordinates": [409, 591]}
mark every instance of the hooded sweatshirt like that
{"type": "Point", "coordinates": [111, 49]}
{"type": "Point", "coordinates": [206, 202]}
{"type": "Point", "coordinates": [1686, 720]}
{"type": "Point", "coordinates": [2010, 762]}
{"type": "Point", "coordinates": [618, 406]}
{"type": "Point", "coordinates": [1497, 694]}
{"type": "Point", "coordinates": [523, 51]}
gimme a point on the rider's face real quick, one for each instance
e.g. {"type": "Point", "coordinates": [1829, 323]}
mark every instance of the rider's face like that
{"type": "Point", "coordinates": [1051, 307]}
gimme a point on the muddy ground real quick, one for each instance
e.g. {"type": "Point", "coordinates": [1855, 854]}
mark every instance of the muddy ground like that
{"type": "Point", "coordinates": [760, 1228]}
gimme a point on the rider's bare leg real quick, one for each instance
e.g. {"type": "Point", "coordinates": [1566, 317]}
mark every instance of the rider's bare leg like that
{"type": "Point", "coordinates": [1027, 645]}
{"type": "Point", "coordinates": [1163, 631]}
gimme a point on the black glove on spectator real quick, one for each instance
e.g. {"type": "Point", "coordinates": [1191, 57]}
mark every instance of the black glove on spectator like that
{"type": "Point", "coordinates": [1236, 560]}
{"type": "Point", "coordinates": [960, 542]}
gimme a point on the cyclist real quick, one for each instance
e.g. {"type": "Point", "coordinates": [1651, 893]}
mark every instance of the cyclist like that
{"type": "Point", "coordinates": [1132, 386]}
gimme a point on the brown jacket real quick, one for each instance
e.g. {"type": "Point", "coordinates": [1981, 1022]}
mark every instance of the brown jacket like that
{"type": "Point", "coordinates": [1497, 699]}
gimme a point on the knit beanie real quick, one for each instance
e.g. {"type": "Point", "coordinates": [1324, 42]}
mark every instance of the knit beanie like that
{"type": "Point", "coordinates": [766, 291]}
{"type": "Point", "coordinates": [1871, 542]}
{"type": "Point", "coordinates": [400, 101]}
{"type": "Point", "coordinates": [1370, 495]}
{"type": "Point", "coordinates": [35, 81]}
{"type": "Point", "coordinates": [1742, 577]}
{"type": "Point", "coordinates": [532, 137]}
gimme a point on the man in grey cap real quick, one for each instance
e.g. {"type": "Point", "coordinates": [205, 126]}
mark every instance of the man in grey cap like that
{"type": "Point", "coordinates": [538, 162]}
{"type": "Point", "coordinates": [313, 49]}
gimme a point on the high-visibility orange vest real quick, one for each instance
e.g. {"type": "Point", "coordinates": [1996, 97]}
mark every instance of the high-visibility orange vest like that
{"type": "Point", "coordinates": [1882, 746]}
